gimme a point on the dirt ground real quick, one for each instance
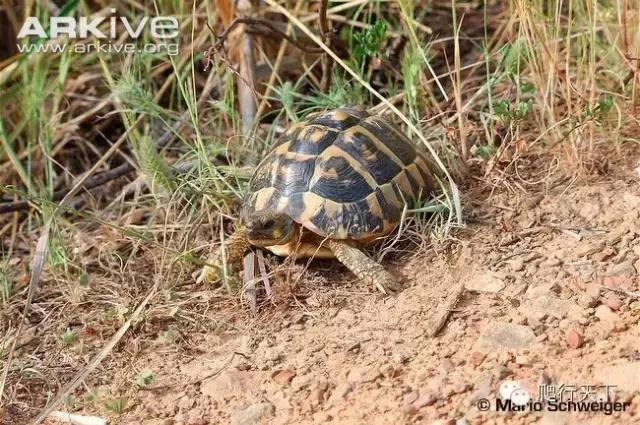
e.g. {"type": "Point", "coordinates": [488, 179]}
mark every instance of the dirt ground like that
{"type": "Point", "coordinates": [552, 299]}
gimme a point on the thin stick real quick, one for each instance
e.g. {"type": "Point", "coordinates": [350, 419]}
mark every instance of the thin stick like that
{"type": "Point", "coordinates": [326, 59]}
{"type": "Point", "coordinates": [445, 310]}
{"type": "Point", "coordinates": [631, 294]}
{"type": "Point", "coordinates": [247, 98]}
{"type": "Point", "coordinates": [457, 89]}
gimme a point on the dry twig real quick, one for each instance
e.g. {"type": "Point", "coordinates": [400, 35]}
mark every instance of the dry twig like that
{"type": "Point", "coordinates": [326, 59]}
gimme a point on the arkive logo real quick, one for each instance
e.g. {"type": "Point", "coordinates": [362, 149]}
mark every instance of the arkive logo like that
{"type": "Point", "coordinates": [164, 31]}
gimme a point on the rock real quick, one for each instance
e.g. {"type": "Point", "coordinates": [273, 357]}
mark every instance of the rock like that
{"type": "Point", "coordinates": [625, 268]}
{"type": "Point", "coordinates": [623, 376]}
{"type": "Point", "coordinates": [388, 370]}
{"type": "Point", "coordinates": [481, 388]}
{"type": "Point", "coordinates": [252, 414]}
{"type": "Point", "coordinates": [618, 282]}
{"type": "Point", "coordinates": [196, 417]}
{"type": "Point", "coordinates": [517, 265]}
{"type": "Point", "coordinates": [604, 255]}
{"type": "Point", "coordinates": [574, 339]}
{"type": "Point", "coordinates": [551, 261]}
{"type": "Point", "coordinates": [410, 397]}
{"type": "Point", "coordinates": [505, 335]}
{"type": "Point", "coordinates": [588, 300]}
{"type": "Point", "coordinates": [280, 401]}
{"type": "Point", "coordinates": [363, 375]}
{"type": "Point", "coordinates": [243, 365]}
{"type": "Point", "coordinates": [605, 314]}
{"type": "Point", "coordinates": [273, 354]}
{"type": "Point", "coordinates": [541, 290]}
{"type": "Point", "coordinates": [523, 360]}
{"type": "Point", "coordinates": [542, 337]}
{"type": "Point", "coordinates": [316, 397]}
{"type": "Point", "coordinates": [460, 387]}
{"type": "Point", "coordinates": [550, 306]}
{"type": "Point", "coordinates": [283, 377]}
{"type": "Point", "coordinates": [300, 382]}
{"type": "Point", "coordinates": [501, 372]}
{"type": "Point", "coordinates": [228, 384]}
{"type": "Point", "coordinates": [485, 282]}
{"type": "Point", "coordinates": [340, 393]}
{"type": "Point", "coordinates": [612, 301]}
{"type": "Point", "coordinates": [425, 398]}
{"type": "Point", "coordinates": [185, 403]}
{"type": "Point", "coordinates": [476, 358]}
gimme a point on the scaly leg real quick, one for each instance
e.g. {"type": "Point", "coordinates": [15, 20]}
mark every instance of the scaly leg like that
{"type": "Point", "coordinates": [231, 254]}
{"type": "Point", "coordinates": [364, 267]}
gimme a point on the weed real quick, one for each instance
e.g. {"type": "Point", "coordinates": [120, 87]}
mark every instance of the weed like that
{"type": "Point", "coordinates": [145, 378]}
{"type": "Point", "coordinates": [69, 337]}
{"type": "Point", "coordinates": [116, 405]}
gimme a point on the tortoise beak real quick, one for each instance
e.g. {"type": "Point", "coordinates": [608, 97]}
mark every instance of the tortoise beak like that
{"type": "Point", "coordinates": [267, 237]}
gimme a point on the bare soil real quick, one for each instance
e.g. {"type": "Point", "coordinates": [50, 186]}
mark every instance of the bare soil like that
{"type": "Point", "coordinates": [550, 264]}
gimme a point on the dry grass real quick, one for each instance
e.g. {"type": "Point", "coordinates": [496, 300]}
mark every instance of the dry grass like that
{"type": "Point", "coordinates": [489, 91]}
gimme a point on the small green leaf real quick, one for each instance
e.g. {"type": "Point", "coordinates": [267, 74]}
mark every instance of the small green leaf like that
{"type": "Point", "coordinates": [605, 103]}
{"type": "Point", "coordinates": [515, 56]}
{"type": "Point", "coordinates": [84, 279]}
{"type": "Point", "coordinates": [485, 152]}
{"type": "Point", "coordinates": [522, 110]}
{"type": "Point", "coordinates": [527, 87]}
{"type": "Point", "coordinates": [501, 108]}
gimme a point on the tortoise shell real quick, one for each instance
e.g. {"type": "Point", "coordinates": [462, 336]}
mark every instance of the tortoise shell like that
{"type": "Point", "coordinates": [343, 174]}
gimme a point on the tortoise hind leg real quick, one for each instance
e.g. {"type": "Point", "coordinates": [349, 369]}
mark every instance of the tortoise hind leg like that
{"type": "Point", "coordinates": [364, 267]}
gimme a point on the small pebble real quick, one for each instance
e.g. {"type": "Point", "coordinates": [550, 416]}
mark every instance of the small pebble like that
{"type": "Point", "coordinates": [574, 339]}
{"type": "Point", "coordinates": [612, 301]}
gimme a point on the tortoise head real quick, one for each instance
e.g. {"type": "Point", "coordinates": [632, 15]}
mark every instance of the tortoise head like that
{"type": "Point", "coordinates": [268, 228]}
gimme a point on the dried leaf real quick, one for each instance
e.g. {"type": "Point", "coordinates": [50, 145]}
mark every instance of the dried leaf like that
{"type": "Point", "coordinates": [227, 11]}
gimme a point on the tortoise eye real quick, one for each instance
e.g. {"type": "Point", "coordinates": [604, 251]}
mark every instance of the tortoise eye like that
{"type": "Point", "coordinates": [268, 223]}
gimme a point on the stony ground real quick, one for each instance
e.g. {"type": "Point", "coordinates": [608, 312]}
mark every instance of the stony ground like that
{"type": "Point", "coordinates": [552, 297]}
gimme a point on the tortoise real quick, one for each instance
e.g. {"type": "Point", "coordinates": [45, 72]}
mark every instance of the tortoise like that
{"type": "Point", "coordinates": [334, 183]}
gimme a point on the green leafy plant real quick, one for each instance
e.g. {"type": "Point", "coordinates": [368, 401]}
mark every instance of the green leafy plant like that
{"type": "Point", "coordinates": [145, 378]}
{"type": "Point", "coordinates": [116, 405]}
{"type": "Point", "coordinates": [69, 337]}
{"type": "Point", "coordinates": [368, 41]}
{"type": "Point", "coordinates": [508, 112]}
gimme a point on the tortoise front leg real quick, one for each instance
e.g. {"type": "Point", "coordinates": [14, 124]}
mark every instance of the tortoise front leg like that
{"type": "Point", "coordinates": [364, 267]}
{"type": "Point", "coordinates": [229, 254]}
